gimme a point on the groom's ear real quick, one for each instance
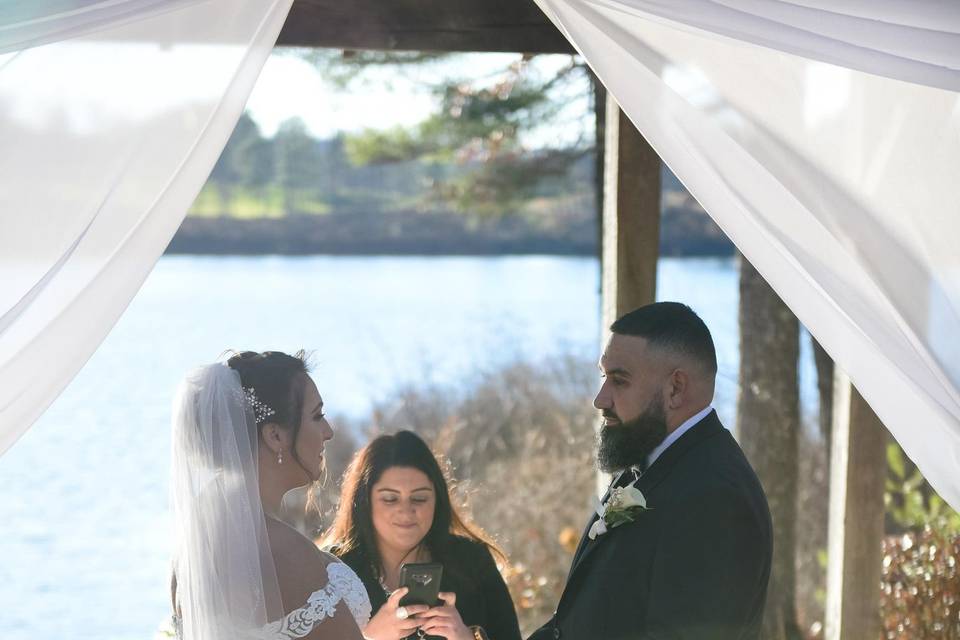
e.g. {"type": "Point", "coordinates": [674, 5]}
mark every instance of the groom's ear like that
{"type": "Point", "coordinates": [678, 386]}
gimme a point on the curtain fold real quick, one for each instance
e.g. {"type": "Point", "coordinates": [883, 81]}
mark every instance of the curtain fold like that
{"type": "Point", "coordinates": [825, 141]}
{"type": "Point", "coordinates": [108, 133]}
{"type": "Point", "coordinates": [26, 24]}
{"type": "Point", "coordinates": [917, 42]}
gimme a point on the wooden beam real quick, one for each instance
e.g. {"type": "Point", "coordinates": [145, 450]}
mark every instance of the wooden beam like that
{"type": "Point", "coordinates": [858, 470]}
{"type": "Point", "coordinates": [630, 221]}
{"type": "Point", "coordinates": [423, 25]}
{"type": "Point", "coordinates": [631, 217]}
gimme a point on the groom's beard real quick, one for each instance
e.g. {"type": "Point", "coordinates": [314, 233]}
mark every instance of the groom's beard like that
{"type": "Point", "coordinates": [629, 443]}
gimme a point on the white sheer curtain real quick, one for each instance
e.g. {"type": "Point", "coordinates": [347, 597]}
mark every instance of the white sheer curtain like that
{"type": "Point", "coordinates": [112, 114]}
{"type": "Point", "coordinates": [824, 139]}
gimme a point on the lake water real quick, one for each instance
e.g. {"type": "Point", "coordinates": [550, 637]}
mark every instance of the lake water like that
{"type": "Point", "coordinates": [83, 532]}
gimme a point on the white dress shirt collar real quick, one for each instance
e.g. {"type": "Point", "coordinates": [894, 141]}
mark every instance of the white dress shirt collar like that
{"type": "Point", "coordinates": [676, 433]}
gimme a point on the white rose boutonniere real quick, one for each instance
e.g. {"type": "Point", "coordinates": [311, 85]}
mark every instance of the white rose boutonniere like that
{"type": "Point", "coordinates": [623, 505]}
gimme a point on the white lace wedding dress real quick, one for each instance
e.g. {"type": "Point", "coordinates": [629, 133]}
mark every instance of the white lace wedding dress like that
{"type": "Point", "coordinates": [342, 585]}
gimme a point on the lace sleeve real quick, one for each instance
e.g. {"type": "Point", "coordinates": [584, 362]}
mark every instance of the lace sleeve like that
{"type": "Point", "coordinates": [351, 589]}
{"type": "Point", "coordinates": [343, 584]}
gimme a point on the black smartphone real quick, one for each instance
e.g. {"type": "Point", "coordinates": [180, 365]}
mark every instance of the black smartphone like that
{"type": "Point", "coordinates": [423, 581]}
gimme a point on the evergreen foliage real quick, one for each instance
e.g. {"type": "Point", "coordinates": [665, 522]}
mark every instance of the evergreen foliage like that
{"type": "Point", "coordinates": [501, 129]}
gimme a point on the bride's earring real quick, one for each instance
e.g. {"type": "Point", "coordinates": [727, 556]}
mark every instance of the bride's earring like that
{"type": "Point", "coordinates": [280, 457]}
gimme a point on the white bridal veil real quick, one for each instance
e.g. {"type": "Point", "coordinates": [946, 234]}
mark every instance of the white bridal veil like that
{"type": "Point", "coordinates": [226, 581]}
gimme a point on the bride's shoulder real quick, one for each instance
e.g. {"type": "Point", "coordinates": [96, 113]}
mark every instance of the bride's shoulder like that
{"type": "Point", "coordinates": [301, 566]}
{"type": "Point", "coordinates": [312, 583]}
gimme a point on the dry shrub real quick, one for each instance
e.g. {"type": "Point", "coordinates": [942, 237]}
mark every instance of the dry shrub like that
{"type": "Point", "coordinates": [920, 596]}
{"type": "Point", "coordinates": [920, 588]}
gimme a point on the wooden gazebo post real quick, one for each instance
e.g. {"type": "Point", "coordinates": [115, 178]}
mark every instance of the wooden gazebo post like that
{"type": "Point", "coordinates": [631, 217]}
{"type": "Point", "coordinates": [858, 470]}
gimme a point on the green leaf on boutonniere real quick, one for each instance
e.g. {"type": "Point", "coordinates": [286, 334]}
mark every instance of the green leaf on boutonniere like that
{"type": "Point", "coordinates": [620, 516]}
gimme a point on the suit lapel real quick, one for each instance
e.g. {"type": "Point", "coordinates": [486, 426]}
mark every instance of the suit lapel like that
{"type": "Point", "coordinates": [584, 540]}
{"type": "Point", "coordinates": [621, 480]}
{"type": "Point", "coordinates": [660, 469]}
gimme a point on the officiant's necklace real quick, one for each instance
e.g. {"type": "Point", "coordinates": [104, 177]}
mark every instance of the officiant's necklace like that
{"type": "Point", "coordinates": [416, 558]}
{"type": "Point", "coordinates": [387, 591]}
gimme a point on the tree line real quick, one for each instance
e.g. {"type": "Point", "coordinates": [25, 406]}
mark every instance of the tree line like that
{"type": "Point", "coordinates": [296, 173]}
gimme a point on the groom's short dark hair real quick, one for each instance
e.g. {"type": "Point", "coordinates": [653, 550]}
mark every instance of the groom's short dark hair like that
{"type": "Point", "coordinates": [671, 326]}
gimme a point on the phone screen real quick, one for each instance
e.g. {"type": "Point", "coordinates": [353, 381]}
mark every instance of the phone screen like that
{"type": "Point", "coordinates": [423, 581]}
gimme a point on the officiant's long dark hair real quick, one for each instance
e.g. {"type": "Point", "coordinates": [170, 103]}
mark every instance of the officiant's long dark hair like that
{"type": "Point", "coordinates": [352, 529]}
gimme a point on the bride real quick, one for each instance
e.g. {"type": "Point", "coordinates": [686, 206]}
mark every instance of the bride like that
{"type": "Point", "coordinates": [245, 433]}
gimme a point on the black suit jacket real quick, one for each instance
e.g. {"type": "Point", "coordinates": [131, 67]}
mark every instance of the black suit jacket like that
{"type": "Point", "coordinates": [694, 566]}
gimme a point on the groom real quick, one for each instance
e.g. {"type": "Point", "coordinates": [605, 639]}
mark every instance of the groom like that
{"type": "Point", "coordinates": [684, 550]}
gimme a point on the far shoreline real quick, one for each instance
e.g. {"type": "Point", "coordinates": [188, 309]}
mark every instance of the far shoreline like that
{"type": "Point", "coordinates": [683, 234]}
{"type": "Point", "coordinates": [438, 254]}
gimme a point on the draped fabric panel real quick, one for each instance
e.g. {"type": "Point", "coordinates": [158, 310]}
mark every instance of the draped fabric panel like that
{"type": "Point", "coordinates": [26, 24]}
{"type": "Point", "coordinates": [824, 139]}
{"type": "Point", "coordinates": [112, 115]}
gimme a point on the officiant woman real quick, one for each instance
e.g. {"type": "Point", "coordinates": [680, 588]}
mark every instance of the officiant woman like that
{"type": "Point", "coordinates": [395, 507]}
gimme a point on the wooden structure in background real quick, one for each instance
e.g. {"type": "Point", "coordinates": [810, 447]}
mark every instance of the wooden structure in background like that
{"type": "Point", "coordinates": [630, 238]}
{"type": "Point", "coordinates": [631, 218]}
{"type": "Point", "coordinates": [423, 25]}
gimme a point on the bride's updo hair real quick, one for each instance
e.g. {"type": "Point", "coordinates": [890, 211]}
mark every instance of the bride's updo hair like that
{"type": "Point", "coordinates": [277, 379]}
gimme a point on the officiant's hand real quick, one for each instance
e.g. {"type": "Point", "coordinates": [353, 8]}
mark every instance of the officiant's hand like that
{"type": "Point", "coordinates": [388, 625]}
{"type": "Point", "coordinates": [445, 621]}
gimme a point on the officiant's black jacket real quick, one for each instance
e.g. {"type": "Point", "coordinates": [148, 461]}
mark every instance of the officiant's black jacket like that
{"type": "Point", "coordinates": [468, 571]}
{"type": "Point", "coordinates": [694, 566]}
